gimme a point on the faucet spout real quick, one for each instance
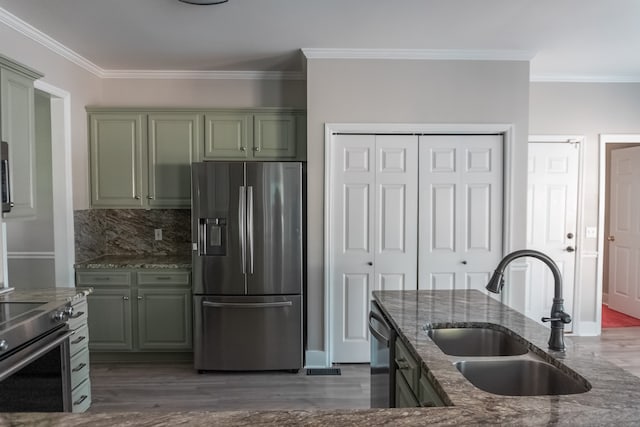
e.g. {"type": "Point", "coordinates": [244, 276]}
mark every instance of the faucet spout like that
{"type": "Point", "coordinates": [558, 317]}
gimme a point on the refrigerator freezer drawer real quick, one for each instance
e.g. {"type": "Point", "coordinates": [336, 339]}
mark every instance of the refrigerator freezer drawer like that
{"type": "Point", "coordinates": [248, 333]}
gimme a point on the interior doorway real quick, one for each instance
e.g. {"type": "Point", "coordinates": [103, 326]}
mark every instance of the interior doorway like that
{"type": "Point", "coordinates": [60, 255]}
{"type": "Point", "coordinates": [608, 143]}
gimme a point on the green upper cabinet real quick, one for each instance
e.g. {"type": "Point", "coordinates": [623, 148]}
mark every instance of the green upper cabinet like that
{"type": "Point", "coordinates": [17, 124]}
{"type": "Point", "coordinates": [141, 161]}
{"type": "Point", "coordinates": [174, 143]}
{"type": "Point", "coordinates": [118, 160]}
{"type": "Point", "coordinates": [253, 136]}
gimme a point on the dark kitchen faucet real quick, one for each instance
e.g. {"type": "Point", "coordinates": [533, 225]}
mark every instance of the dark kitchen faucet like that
{"type": "Point", "coordinates": [558, 317]}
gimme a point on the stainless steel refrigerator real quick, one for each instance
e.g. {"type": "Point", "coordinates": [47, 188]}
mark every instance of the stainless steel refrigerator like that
{"type": "Point", "coordinates": [247, 265]}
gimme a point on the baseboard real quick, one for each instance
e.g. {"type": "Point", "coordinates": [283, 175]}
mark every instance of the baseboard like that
{"type": "Point", "coordinates": [315, 359]}
{"type": "Point", "coordinates": [139, 356]}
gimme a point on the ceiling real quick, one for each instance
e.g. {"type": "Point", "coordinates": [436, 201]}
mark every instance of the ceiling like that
{"type": "Point", "coordinates": [580, 40]}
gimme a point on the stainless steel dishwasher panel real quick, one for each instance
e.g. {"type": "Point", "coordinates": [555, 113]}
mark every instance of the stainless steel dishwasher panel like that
{"type": "Point", "coordinates": [248, 333]}
{"type": "Point", "coordinates": [382, 354]}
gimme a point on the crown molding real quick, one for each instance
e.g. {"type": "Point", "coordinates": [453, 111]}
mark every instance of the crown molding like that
{"type": "Point", "coordinates": [420, 54]}
{"type": "Point", "coordinates": [566, 78]}
{"type": "Point", "coordinates": [38, 36]}
{"type": "Point", "coordinates": [203, 75]}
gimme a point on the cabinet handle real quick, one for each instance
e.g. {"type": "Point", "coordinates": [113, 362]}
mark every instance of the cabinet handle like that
{"type": "Point", "coordinates": [150, 197]}
{"type": "Point", "coordinates": [125, 298]}
{"type": "Point", "coordinates": [139, 297]}
{"type": "Point", "coordinates": [80, 339]}
{"type": "Point", "coordinates": [257, 149]}
{"type": "Point", "coordinates": [78, 314]}
{"type": "Point", "coordinates": [243, 149]}
{"type": "Point", "coordinates": [137, 197]}
{"type": "Point", "coordinates": [82, 399]}
{"type": "Point", "coordinates": [403, 364]}
{"type": "Point", "coordinates": [79, 367]}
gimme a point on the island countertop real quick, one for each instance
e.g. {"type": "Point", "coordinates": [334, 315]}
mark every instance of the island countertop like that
{"type": "Point", "coordinates": [46, 294]}
{"type": "Point", "coordinates": [613, 400]}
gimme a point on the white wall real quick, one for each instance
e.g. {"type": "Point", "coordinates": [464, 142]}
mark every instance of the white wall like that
{"type": "Point", "coordinates": [587, 109]}
{"type": "Point", "coordinates": [384, 91]}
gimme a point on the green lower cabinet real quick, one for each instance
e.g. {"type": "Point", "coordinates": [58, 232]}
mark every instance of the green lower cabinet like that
{"type": "Point", "coordinates": [404, 395]}
{"type": "Point", "coordinates": [164, 319]}
{"type": "Point", "coordinates": [413, 387]}
{"type": "Point", "coordinates": [151, 314]}
{"type": "Point", "coordinates": [110, 319]}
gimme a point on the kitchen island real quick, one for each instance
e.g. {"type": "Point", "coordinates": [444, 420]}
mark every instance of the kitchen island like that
{"type": "Point", "coordinates": [612, 400]}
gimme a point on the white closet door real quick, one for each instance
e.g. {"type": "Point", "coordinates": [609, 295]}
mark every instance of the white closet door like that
{"type": "Point", "coordinates": [552, 203]}
{"type": "Point", "coordinates": [460, 223]}
{"type": "Point", "coordinates": [373, 231]}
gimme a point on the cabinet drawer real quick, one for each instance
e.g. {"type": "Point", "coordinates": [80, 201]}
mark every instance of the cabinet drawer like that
{"type": "Point", "coordinates": [407, 365]}
{"type": "Point", "coordinates": [81, 397]}
{"type": "Point", "coordinates": [159, 278]}
{"type": "Point", "coordinates": [79, 368]}
{"type": "Point", "coordinates": [427, 393]}
{"type": "Point", "coordinates": [103, 278]}
{"type": "Point", "coordinates": [79, 316]}
{"type": "Point", "coordinates": [79, 340]}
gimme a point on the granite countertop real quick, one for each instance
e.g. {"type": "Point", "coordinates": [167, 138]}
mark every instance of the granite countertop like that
{"type": "Point", "coordinates": [613, 400]}
{"type": "Point", "coordinates": [47, 294]}
{"type": "Point", "coordinates": [138, 261]}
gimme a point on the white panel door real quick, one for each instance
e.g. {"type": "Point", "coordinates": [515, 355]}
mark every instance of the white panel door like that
{"type": "Point", "coordinates": [460, 232]}
{"type": "Point", "coordinates": [624, 231]}
{"type": "Point", "coordinates": [373, 231]}
{"type": "Point", "coordinates": [552, 203]}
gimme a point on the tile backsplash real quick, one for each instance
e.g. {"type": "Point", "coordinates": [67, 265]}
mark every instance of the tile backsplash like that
{"type": "Point", "coordinates": [131, 232]}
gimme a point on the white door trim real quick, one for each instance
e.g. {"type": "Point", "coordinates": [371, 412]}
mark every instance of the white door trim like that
{"type": "Point", "coordinates": [63, 236]}
{"type": "Point", "coordinates": [602, 190]}
{"type": "Point", "coordinates": [508, 132]}
{"type": "Point", "coordinates": [579, 327]}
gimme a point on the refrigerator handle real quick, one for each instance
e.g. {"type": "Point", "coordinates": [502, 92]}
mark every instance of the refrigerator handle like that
{"type": "Point", "coordinates": [242, 227]}
{"type": "Point", "coordinates": [250, 226]}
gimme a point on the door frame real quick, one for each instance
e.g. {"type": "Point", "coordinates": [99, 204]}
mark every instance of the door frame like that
{"type": "Point", "coordinates": [602, 191]}
{"type": "Point", "coordinates": [579, 327]}
{"type": "Point", "coordinates": [318, 358]}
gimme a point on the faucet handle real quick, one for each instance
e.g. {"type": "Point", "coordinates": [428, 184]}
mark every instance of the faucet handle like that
{"type": "Point", "coordinates": [558, 317]}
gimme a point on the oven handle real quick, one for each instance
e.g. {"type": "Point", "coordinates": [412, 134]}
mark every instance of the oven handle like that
{"type": "Point", "coordinates": [35, 355]}
{"type": "Point", "coordinates": [374, 332]}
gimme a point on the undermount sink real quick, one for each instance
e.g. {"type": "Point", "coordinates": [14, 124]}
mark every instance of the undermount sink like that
{"type": "Point", "coordinates": [476, 342]}
{"type": "Point", "coordinates": [520, 377]}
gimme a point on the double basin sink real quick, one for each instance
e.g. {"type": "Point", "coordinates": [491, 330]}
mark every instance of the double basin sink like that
{"type": "Point", "coordinates": [503, 364]}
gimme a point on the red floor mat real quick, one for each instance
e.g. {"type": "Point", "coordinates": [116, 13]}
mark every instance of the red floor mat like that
{"type": "Point", "coordinates": [615, 319]}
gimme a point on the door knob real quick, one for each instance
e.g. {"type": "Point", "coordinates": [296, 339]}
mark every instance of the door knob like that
{"type": "Point", "coordinates": [611, 238]}
{"type": "Point", "coordinates": [570, 249]}
{"type": "Point", "coordinates": [464, 262]}
{"type": "Point", "coordinates": [369, 263]}
{"type": "Point", "coordinates": [569, 235]}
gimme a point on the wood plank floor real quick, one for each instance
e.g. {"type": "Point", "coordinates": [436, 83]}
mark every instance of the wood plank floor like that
{"type": "Point", "coordinates": [178, 387]}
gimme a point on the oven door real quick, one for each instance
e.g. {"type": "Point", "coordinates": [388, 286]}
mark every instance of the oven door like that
{"type": "Point", "coordinates": [35, 377]}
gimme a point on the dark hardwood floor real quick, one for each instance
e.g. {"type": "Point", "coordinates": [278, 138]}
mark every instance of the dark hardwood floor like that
{"type": "Point", "coordinates": [178, 387]}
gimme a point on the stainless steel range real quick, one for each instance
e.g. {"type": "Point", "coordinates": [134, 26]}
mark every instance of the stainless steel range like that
{"type": "Point", "coordinates": [34, 357]}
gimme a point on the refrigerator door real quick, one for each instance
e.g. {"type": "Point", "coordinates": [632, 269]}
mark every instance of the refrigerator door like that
{"type": "Point", "coordinates": [274, 228]}
{"type": "Point", "coordinates": [218, 228]}
{"type": "Point", "coordinates": [248, 333]}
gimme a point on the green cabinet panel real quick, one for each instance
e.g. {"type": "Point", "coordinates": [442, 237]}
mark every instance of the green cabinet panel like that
{"type": "Point", "coordinates": [228, 136]}
{"type": "Point", "coordinates": [274, 136]}
{"type": "Point", "coordinates": [18, 129]}
{"type": "Point", "coordinates": [118, 160]}
{"type": "Point", "coordinates": [164, 319]}
{"type": "Point", "coordinates": [159, 320]}
{"type": "Point", "coordinates": [174, 143]}
{"type": "Point", "coordinates": [405, 397]}
{"type": "Point", "coordinates": [110, 319]}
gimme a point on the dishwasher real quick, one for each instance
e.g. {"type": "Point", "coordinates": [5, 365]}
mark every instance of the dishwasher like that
{"type": "Point", "coordinates": [382, 355]}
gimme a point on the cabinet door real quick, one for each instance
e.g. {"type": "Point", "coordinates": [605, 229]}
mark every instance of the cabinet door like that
{"type": "Point", "coordinates": [274, 136]}
{"type": "Point", "coordinates": [174, 143]}
{"type": "Point", "coordinates": [18, 129]}
{"type": "Point", "coordinates": [405, 397]}
{"type": "Point", "coordinates": [118, 160]}
{"type": "Point", "coordinates": [110, 319]}
{"type": "Point", "coordinates": [164, 319]}
{"type": "Point", "coordinates": [227, 136]}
